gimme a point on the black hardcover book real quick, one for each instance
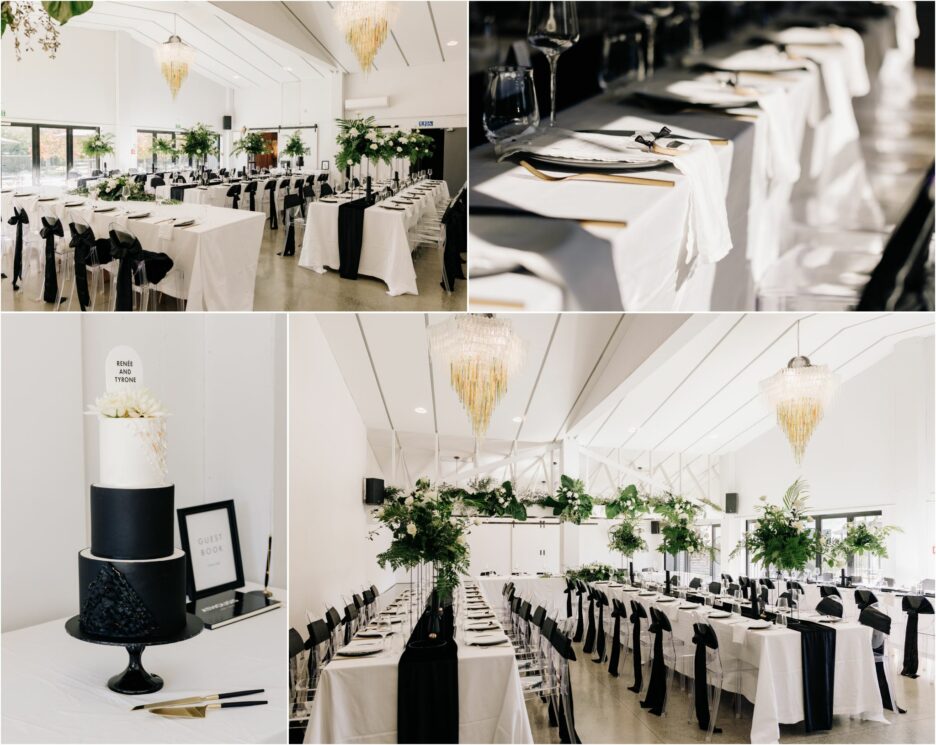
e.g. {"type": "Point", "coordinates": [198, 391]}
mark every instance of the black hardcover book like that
{"type": "Point", "coordinates": [231, 606]}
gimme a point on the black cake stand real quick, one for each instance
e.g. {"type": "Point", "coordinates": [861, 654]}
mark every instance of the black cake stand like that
{"type": "Point", "coordinates": [134, 679]}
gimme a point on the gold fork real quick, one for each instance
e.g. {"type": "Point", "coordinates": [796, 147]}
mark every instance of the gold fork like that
{"type": "Point", "coordinates": [610, 177]}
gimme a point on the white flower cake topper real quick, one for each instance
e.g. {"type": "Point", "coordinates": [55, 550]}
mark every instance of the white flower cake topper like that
{"type": "Point", "coordinates": [130, 403]}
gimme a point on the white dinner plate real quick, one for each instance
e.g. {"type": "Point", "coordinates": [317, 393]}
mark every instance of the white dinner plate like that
{"type": "Point", "coordinates": [719, 614]}
{"type": "Point", "coordinates": [358, 651]}
{"type": "Point", "coordinates": [184, 223]}
{"type": "Point", "coordinates": [760, 626]}
{"type": "Point", "coordinates": [47, 199]}
{"type": "Point", "coordinates": [488, 640]}
{"type": "Point", "coordinates": [138, 215]}
{"type": "Point", "coordinates": [486, 627]}
{"type": "Point", "coordinates": [104, 209]}
{"type": "Point", "coordinates": [74, 204]}
{"type": "Point", "coordinates": [666, 600]}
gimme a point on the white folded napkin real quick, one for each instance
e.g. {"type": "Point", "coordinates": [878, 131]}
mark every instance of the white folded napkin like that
{"type": "Point", "coordinates": [782, 156]}
{"type": "Point", "coordinates": [708, 234]}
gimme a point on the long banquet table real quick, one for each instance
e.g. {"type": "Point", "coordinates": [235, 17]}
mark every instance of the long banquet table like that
{"type": "Point", "coordinates": [215, 260]}
{"type": "Point", "coordinates": [799, 157]}
{"type": "Point", "coordinates": [356, 699]}
{"type": "Point", "coordinates": [776, 687]}
{"type": "Point", "coordinates": [55, 687]}
{"type": "Point", "coordinates": [386, 252]}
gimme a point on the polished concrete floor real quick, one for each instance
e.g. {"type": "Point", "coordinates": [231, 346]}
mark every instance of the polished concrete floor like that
{"type": "Point", "coordinates": [606, 712]}
{"type": "Point", "coordinates": [282, 284]}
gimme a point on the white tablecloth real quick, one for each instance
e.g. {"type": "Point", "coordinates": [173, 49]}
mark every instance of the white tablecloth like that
{"type": "Point", "coordinates": [215, 195]}
{"type": "Point", "coordinates": [807, 116]}
{"type": "Point", "coordinates": [55, 687]}
{"type": "Point", "coordinates": [217, 257]}
{"type": "Point", "coordinates": [356, 700]}
{"type": "Point", "coordinates": [386, 252]}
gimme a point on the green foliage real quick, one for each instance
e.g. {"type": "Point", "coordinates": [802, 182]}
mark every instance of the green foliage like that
{"type": "Point", "coordinates": [164, 146]}
{"type": "Point", "coordinates": [625, 538]}
{"type": "Point", "coordinates": [499, 501]}
{"type": "Point", "coordinates": [570, 502]}
{"type": "Point", "coordinates": [111, 190]}
{"type": "Point", "coordinates": [63, 11]}
{"type": "Point", "coordinates": [676, 525]}
{"type": "Point", "coordinates": [97, 145]}
{"type": "Point", "coordinates": [424, 529]}
{"type": "Point", "coordinates": [861, 538]}
{"type": "Point", "coordinates": [594, 572]}
{"type": "Point", "coordinates": [295, 147]}
{"type": "Point", "coordinates": [252, 143]}
{"type": "Point", "coordinates": [357, 138]}
{"type": "Point", "coordinates": [628, 503]}
{"type": "Point", "coordinates": [199, 141]}
{"type": "Point", "coordinates": [780, 537]}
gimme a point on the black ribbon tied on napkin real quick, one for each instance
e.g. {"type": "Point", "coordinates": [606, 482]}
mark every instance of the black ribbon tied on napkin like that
{"type": "Point", "coordinates": [617, 613]}
{"type": "Point", "coordinates": [51, 229]}
{"type": "Point", "coordinates": [704, 638]}
{"type": "Point", "coordinates": [913, 606]}
{"type": "Point", "coordinates": [656, 688]}
{"type": "Point", "coordinates": [427, 682]}
{"type": "Point", "coordinates": [637, 612]}
{"type": "Point", "coordinates": [19, 219]}
{"type": "Point", "coordinates": [86, 245]}
{"type": "Point", "coordinates": [350, 236]}
{"type": "Point", "coordinates": [128, 251]}
{"type": "Point", "coordinates": [817, 646]}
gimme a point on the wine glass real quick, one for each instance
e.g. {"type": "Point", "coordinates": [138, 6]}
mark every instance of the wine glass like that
{"type": "Point", "coordinates": [552, 28]}
{"type": "Point", "coordinates": [510, 107]}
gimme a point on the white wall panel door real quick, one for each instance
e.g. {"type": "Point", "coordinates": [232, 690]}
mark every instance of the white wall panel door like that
{"type": "Point", "coordinates": [536, 547]}
{"type": "Point", "coordinates": [490, 548]}
{"type": "Point", "coordinates": [593, 543]}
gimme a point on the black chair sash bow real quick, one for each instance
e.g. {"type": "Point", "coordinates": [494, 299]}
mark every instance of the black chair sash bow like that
{"type": "Point", "coordinates": [617, 613]}
{"type": "Point", "coordinates": [827, 590]}
{"type": "Point", "coordinates": [704, 638]}
{"type": "Point", "coordinates": [602, 601]}
{"type": "Point", "coordinates": [568, 593]}
{"type": "Point", "coordinates": [879, 621]}
{"type": "Point", "coordinates": [829, 607]}
{"type": "Point", "coordinates": [589, 645]}
{"type": "Point", "coordinates": [234, 191]}
{"type": "Point", "coordinates": [864, 598]}
{"type": "Point", "coordinates": [85, 244]}
{"type": "Point", "coordinates": [51, 229]}
{"type": "Point", "coordinates": [271, 187]}
{"type": "Point", "coordinates": [656, 688]}
{"type": "Point", "coordinates": [19, 219]}
{"type": "Point", "coordinates": [580, 622]}
{"type": "Point", "coordinates": [914, 606]}
{"type": "Point", "coordinates": [128, 251]}
{"type": "Point", "coordinates": [637, 612]}
{"type": "Point", "coordinates": [290, 202]}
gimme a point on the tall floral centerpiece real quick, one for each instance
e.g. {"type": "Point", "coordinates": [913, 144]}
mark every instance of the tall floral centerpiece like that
{"type": "Point", "coordinates": [164, 146]}
{"type": "Point", "coordinates": [357, 139]}
{"type": "Point", "coordinates": [252, 144]}
{"type": "Point", "coordinates": [98, 146]}
{"type": "Point", "coordinates": [625, 537]}
{"type": "Point", "coordinates": [418, 146]}
{"type": "Point", "coordinates": [594, 572]}
{"type": "Point", "coordinates": [570, 503]}
{"type": "Point", "coordinates": [784, 536]}
{"type": "Point", "coordinates": [677, 527]}
{"type": "Point", "coordinates": [198, 143]}
{"type": "Point", "coordinates": [295, 148]}
{"type": "Point", "coordinates": [861, 539]}
{"type": "Point", "coordinates": [426, 530]}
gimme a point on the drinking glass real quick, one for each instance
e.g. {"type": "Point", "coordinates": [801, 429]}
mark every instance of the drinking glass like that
{"type": "Point", "coordinates": [622, 59]}
{"type": "Point", "coordinates": [510, 107]}
{"type": "Point", "coordinates": [429, 172]}
{"type": "Point", "coordinates": [782, 609]}
{"type": "Point", "coordinates": [552, 28]}
{"type": "Point", "coordinates": [125, 192]}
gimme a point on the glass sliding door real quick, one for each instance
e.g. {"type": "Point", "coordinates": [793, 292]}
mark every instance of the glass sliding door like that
{"type": "Point", "coordinates": [16, 155]}
{"type": "Point", "coordinates": [53, 155]}
{"type": "Point", "coordinates": [144, 150]}
{"type": "Point", "coordinates": [82, 165]}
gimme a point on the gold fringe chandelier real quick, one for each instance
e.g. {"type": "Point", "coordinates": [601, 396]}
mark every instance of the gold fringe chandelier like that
{"type": "Point", "coordinates": [482, 352]}
{"type": "Point", "coordinates": [365, 26]}
{"type": "Point", "coordinates": [800, 393]}
{"type": "Point", "coordinates": [174, 57]}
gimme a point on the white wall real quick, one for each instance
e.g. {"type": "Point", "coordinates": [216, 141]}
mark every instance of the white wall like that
{"type": "Point", "coordinates": [220, 377]}
{"type": "Point", "coordinates": [873, 450]}
{"type": "Point", "coordinates": [330, 553]}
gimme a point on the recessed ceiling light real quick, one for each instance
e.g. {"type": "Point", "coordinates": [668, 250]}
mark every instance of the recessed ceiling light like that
{"type": "Point", "coordinates": [452, 43]}
{"type": "Point", "coordinates": [518, 419]}
{"type": "Point", "coordinates": [419, 410]}
{"type": "Point", "coordinates": [631, 430]}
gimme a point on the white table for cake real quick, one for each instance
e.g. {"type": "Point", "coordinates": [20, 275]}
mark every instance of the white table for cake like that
{"type": "Point", "coordinates": [55, 687]}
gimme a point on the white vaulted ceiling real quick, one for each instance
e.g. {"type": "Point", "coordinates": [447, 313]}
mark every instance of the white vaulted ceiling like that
{"type": "Point", "coordinates": [640, 383]}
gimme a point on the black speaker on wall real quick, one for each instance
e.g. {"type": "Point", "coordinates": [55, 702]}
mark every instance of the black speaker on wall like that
{"type": "Point", "coordinates": [655, 527]}
{"type": "Point", "coordinates": [226, 122]}
{"type": "Point", "coordinates": [731, 503]}
{"type": "Point", "coordinates": [373, 491]}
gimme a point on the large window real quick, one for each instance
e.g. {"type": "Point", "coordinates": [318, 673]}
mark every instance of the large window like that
{"type": "Point", "coordinates": [833, 526]}
{"type": "Point", "coordinates": [145, 154]}
{"type": "Point", "coordinates": [702, 564]}
{"type": "Point", "coordinates": [35, 154]}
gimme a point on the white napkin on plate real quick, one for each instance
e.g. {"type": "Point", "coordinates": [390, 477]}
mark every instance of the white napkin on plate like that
{"type": "Point", "coordinates": [708, 234]}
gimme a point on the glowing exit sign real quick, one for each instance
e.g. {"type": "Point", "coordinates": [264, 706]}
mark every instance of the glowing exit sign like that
{"type": "Point", "coordinates": [426, 123]}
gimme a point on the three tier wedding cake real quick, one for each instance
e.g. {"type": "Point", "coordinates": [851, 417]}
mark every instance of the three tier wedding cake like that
{"type": "Point", "coordinates": [132, 578]}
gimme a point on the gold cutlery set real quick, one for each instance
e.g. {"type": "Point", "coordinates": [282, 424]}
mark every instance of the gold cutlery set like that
{"type": "Point", "coordinates": [197, 707]}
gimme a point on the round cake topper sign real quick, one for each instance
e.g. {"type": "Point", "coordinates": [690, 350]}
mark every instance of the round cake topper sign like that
{"type": "Point", "coordinates": [123, 369]}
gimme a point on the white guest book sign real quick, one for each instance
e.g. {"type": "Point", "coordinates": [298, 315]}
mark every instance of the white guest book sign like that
{"type": "Point", "coordinates": [211, 548]}
{"type": "Point", "coordinates": [123, 369]}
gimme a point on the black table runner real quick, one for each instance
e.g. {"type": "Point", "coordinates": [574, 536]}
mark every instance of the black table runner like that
{"type": "Point", "coordinates": [177, 192]}
{"type": "Point", "coordinates": [817, 644]}
{"type": "Point", "coordinates": [350, 236]}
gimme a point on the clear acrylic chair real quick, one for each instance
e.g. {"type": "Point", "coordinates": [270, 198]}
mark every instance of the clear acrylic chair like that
{"type": "Point", "coordinates": [145, 292]}
{"type": "Point", "coordinates": [94, 264]}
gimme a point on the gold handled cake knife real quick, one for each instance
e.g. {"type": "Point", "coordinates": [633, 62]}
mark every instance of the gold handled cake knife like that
{"type": "Point", "coordinates": [198, 699]}
{"type": "Point", "coordinates": [198, 712]}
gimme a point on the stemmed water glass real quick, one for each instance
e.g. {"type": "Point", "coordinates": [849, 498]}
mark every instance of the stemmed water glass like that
{"type": "Point", "coordinates": [552, 28]}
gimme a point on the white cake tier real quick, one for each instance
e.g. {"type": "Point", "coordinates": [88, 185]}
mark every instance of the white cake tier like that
{"type": "Point", "coordinates": [133, 452]}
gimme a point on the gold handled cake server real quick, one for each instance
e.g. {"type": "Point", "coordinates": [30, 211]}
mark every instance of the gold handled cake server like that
{"type": "Point", "coordinates": [198, 699]}
{"type": "Point", "coordinates": [198, 712]}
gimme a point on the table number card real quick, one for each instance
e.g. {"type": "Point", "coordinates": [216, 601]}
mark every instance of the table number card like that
{"type": "Point", "coordinates": [123, 369]}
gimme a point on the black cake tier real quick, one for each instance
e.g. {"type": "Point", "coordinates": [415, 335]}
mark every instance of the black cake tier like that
{"type": "Point", "coordinates": [132, 523]}
{"type": "Point", "coordinates": [131, 599]}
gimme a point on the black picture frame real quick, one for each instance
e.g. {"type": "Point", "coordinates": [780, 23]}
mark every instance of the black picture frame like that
{"type": "Point", "coordinates": [324, 166]}
{"type": "Point", "coordinates": [234, 583]}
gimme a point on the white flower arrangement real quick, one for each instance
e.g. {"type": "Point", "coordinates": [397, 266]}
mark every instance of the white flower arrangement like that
{"type": "Point", "coordinates": [131, 403]}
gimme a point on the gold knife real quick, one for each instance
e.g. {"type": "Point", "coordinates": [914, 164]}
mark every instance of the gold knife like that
{"type": "Point", "coordinates": [198, 699]}
{"type": "Point", "coordinates": [198, 712]}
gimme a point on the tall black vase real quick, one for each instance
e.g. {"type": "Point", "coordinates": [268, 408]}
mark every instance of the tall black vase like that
{"type": "Point", "coordinates": [667, 582]}
{"type": "Point", "coordinates": [630, 570]}
{"type": "Point", "coordinates": [844, 580]}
